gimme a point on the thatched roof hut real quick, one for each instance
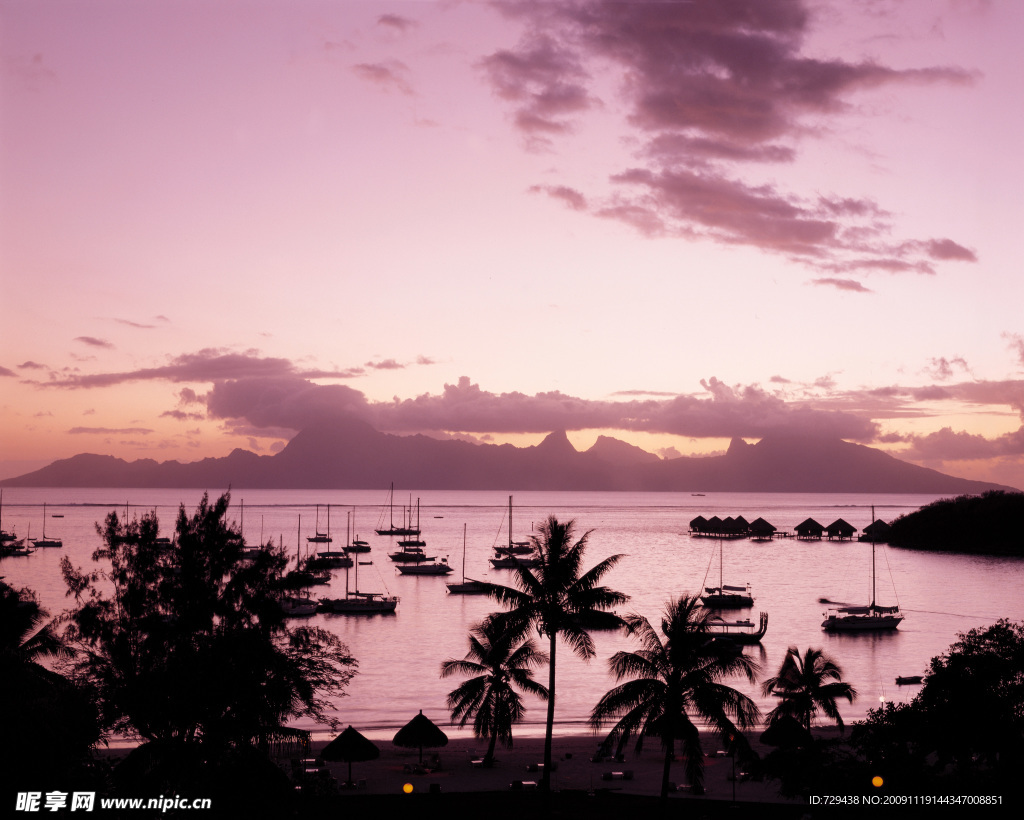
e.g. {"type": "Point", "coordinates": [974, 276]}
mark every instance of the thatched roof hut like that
{"type": "Point", "coordinates": [840, 529]}
{"type": "Point", "coordinates": [809, 529]}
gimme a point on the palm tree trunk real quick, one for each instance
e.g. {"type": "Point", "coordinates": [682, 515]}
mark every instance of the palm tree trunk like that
{"type": "Point", "coordinates": [545, 781]}
{"type": "Point", "coordinates": [670, 753]}
{"type": "Point", "coordinates": [489, 757]}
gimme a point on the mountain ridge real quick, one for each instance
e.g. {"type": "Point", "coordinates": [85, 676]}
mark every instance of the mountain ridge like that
{"type": "Point", "coordinates": [351, 454]}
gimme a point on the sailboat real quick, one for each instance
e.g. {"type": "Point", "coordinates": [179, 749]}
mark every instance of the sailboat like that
{"type": "Point", "coordinates": [355, 545]}
{"type": "Point", "coordinates": [468, 586]}
{"type": "Point", "coordinates": [508, 557]}
{"type": "Point", "coordinates": [870, 618]}
{"type": "Point", "coordinates": [44, 541]}
{"type": "Point", "coordinates": [411, 551]}
{"type": "Point", "coordinates": [335, 559]}
{"type": "Point", "coordinates": [392, 529]}
{"type": "Point", "coordinates": [5, 537]}
{"type": "Point", "coordinates": [724, 596]}
{"type": "Point", "coordinates": [321, 537]}
{"type": "Point", "coordinates": [359, 603]}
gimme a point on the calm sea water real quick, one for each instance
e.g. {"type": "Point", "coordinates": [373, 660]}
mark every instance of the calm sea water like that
{"type": "Point", "coordinates": [400, 655]}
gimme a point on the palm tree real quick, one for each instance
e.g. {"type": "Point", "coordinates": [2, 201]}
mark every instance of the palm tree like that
{"type": "Point", "coordinates": [501, 663]}
{"type": "Point", "coordinates": [673, 681]}
{"type": "Point", "coordinates": [557, 599]}
{"type": "Point", "coordinates": [27, 637]}
{"type": "Point", "coordinates": [803, 685]}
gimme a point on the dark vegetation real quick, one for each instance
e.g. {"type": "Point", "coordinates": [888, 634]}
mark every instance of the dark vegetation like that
{"type": "Point", "coordinates": [190, 653]}
{"type": "Point", "coordinates": [989, 524]}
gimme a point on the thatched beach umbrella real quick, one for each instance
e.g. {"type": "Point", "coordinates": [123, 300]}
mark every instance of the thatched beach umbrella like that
{"type": "Point", "coordinates": [419, 733]}
{"type": "Point", "coordinates": [350, 746]}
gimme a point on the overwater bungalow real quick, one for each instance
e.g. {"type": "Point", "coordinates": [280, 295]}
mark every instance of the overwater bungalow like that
{"type": "Point", "coordinates": [840, 530]}
{"type": "Point", "coordinates": [761, 530]}
{"type": "Point", "coordinates": [809, 530]}
{"type": "Point", "coordinates": [699, 524]}
{"type": "Point", "coordinates": [877, 531]}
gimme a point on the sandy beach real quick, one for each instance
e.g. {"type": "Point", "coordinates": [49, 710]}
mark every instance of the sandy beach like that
{"type": "Point", "coordinates": [455, 768]}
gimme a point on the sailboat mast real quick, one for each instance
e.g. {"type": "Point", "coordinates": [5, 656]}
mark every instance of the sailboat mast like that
{"type": "Point", "coordinates": [872, 558]}
{"type": "Point", "coordinates": [463, 552]}
{"type": "Point", "coordinates": [510, 525]}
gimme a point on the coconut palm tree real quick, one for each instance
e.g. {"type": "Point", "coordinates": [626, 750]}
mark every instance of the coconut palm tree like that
{"type": "Point", "coordinates": [27, 637]}
{"type": "Point", "coordinates": [673, 681]}
{"type": "Point", "coordinates": [807, 684]}
{"type": "Point", "coordinates": [501, 663]}
{"type": "Point", "coordinates": [558, 599]}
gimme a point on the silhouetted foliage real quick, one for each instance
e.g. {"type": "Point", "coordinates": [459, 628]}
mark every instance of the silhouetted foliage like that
{"type": "Point", "coordinates": [987, 524]}
{"type": "Point", "coordinates": [807, 684]}
{"type": "Point", "coordinates": [190, 648]}
{"type": "Point", "coordinates": [671, 682]}
{"type": "Point", "coordinates": [558, 599]}
{"type": "Point", "coordinates": [965, 728]}
{"type": "Point", "coordinates": [500, 663]}
{"type": "Point", "coordinates": [49, 725]}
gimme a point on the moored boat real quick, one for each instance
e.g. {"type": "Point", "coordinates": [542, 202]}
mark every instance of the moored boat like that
{"type": "Point", "coordinates": [743, 631]}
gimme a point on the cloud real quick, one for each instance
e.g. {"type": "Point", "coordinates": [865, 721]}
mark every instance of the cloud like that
{"type": "Point", "coordinates": [139, 325]}
{"type": "Point", "coordinates": [1016, 343]}
{"type": "Point", "coordinates": [391, 75]}
{"type": "Point", "coordinates": [6, 372]}
{"type": "Point", "coordinates": [285, 401]}
{"type": "Point", "coordinates": [842, 284]}
{"type": "Point", "coordinates": [569, 196]}
{"type": "Point", "coordinates": [710, 91]}
{"type": "Point", "coordinates": [181, 415]}
{"type": "Point", "coordinates": [386, 364]}
{"type": "Point", "coordinates": [32, 366]}
{"type": "Point", "coordinates": [949, 445]}
{"type": "Point", "coordinates": [396, 23]}
{"type": "Point", "coordinates": [92, 341]}
{"type": "Point", "coordinates": [205, 365]}
{"type": "Point", "coordinates": [942, 368]}
{"type": "Point", "coordinates": [544, 80]}
{"type": "Point", "coordinates": [103, 431]}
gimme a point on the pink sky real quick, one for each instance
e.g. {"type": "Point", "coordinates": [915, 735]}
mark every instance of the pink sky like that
{"type": "Point", "coordinates": [670, 222]}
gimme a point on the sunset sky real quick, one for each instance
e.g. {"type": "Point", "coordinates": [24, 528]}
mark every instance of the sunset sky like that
{"type": "Point", "coordinates": [671, 222]}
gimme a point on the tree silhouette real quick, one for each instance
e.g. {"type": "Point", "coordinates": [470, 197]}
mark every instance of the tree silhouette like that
{"type": "Point", "coordinates": [501, 663]}
{"type": "Point", "coordinates": [808, 684]}
{"type": "Point", "coordinates": [190, 648]}
{"type": "Point", "coordinates": [49, 723]}
{"type": "Point", "coordinates": [673, 681]}
{"type": "Point", "coordinates": [559, 600]}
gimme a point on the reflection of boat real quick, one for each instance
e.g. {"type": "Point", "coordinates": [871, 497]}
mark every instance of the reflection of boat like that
{"type": "Point", "coordinates": [870, 618]}
{"type": "Point", "coordinates": [432, 567]}
{"type": "Point", "coordinates": [904, 680]}
{"type": "Point", "coordinates": [44, 541]}
{"type": "Point", "coordinates": [407, 529]}
{"type": "Point", "coordinates": [741, 632]}
{"type": "Point", "coordinates": [468, 586]}
{"type": "Point", "coordinates": [724, 596]}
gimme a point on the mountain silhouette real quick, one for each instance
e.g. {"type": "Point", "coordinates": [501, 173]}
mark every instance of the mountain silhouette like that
{"type": "Point", "coordinates": [350, 454]}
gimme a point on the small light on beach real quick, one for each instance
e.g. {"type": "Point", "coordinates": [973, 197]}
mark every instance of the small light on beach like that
{"type": "Point", "coordinates": [407, 788]}
{"type": "Point", "coordinates": [876, 781]}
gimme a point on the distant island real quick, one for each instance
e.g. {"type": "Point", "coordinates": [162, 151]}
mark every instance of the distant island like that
{"type": "Point", "coordinates": [350, 454]}
{"type": "Point", "coordinates": [989, 524]}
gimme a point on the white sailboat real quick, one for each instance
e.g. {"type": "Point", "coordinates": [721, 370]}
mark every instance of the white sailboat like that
{"type": "Point", "coordinates": [870, 618]}
{"type": "Point", "coordinates": [407, 529]}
